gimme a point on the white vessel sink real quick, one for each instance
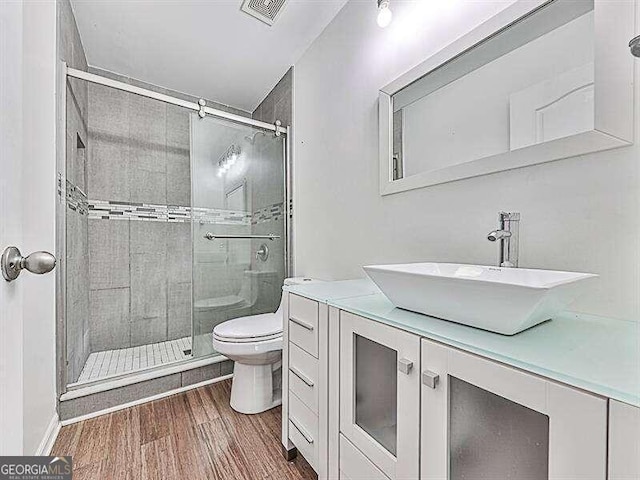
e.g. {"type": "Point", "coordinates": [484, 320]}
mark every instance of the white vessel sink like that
{"type": "Point", "coordinates": [502, 300]}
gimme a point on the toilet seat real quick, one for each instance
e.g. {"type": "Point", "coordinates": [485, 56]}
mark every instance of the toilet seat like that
{"type": "Point", "coordinates": [252, 347]}
{"type": "Point", "coordinates": [255, 328]}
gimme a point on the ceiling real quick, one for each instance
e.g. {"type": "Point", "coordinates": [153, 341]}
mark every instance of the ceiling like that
{"type": "Point", "coordinates": [207, 48]}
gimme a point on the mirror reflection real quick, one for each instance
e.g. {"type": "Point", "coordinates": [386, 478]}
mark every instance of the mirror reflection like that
{"type": "Point", "coordinates": [529, 84]}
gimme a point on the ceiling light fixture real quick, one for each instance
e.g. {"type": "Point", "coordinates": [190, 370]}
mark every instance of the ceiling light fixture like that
{"type": "Point", "coordinates": [384, 13]}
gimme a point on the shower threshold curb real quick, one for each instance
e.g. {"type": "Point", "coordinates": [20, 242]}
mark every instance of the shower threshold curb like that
{"type": "Point", "coordinates": [140, 376]}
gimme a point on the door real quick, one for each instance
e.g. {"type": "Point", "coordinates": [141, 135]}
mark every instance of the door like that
{"type": "Point", "coordinates": [27, 203]}
{"type": "Point", "coordinates": [10, 226]}
{"type": "Point", "coordinates": [482, 419]}
{"type": "Point", "coordinates": [238, 225]}
{"type": "Point", "coordinates": [380, 394]}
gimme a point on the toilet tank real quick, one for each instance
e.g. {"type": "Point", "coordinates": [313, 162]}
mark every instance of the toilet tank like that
{"type": "Point", "coordinates": [295, 281]}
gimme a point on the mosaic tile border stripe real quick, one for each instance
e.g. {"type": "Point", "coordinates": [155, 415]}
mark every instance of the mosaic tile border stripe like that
{"type": "Point", "coordinates": [111, 210]}
{"type": "Point", "coordinates": [269, 213]}
{"type": "Point", "coordinates": [76, 199]}
{"type": "Point", "coordinates": [227, 217]}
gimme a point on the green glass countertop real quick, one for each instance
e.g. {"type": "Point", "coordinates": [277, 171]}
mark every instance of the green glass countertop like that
{"type": "Point", "coordinates": [327, 291]}
{"type": "Point", "coordinates": [596, 354]}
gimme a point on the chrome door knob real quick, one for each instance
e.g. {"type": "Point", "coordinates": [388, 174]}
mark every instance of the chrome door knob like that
{"type": "Point", "coordinates": [12, 263]}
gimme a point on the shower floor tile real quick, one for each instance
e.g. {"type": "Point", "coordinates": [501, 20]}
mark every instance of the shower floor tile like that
{"type": "Point", "coordinates": [125, 360]}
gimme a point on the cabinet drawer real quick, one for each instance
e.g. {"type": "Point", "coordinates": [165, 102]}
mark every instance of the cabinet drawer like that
{"type": "Point", "coordinates": [303, 376]}
{"type": "Point", "coordinates": [303, 323]}
{"type": "Point", "coordinates": [355, 466]}
{"type": "Point", "coordinates": [303, 430]}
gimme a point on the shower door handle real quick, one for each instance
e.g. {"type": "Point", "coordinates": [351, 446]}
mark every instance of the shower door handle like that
{"type": "Point", "coordinates": [12, 263]}
{"type": "Point", "coordinates": [213, 236]}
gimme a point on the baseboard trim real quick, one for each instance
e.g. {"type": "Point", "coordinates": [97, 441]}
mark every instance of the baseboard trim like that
{"type": "Point", "coordinates": [50, 435]}
{"type": "Point", "coordinates": [143, 400]}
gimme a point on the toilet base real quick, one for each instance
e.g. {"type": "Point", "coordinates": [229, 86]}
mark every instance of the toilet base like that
{"type": "Point", "coordinates": [252, 388]}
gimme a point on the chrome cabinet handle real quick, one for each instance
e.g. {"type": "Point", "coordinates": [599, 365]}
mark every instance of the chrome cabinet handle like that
{"type": "Point", "coordinates": [405, 365]}
{"type": "Point", "coordinates": [306, 325]}
{"type": "Point", "coordinates": [301, 376]}
{"type": "Point", "coordinates": [430, 379]}
{"type": "Point", "coordinates": [12, 263]}
{"type": "Point", "coordinates": [302, 431]}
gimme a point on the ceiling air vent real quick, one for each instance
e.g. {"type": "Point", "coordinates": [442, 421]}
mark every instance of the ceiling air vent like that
{"type": "Point", "coordinates": [266, 11]}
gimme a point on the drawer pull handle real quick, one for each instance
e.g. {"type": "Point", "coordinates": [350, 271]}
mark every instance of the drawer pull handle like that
{"type": "Point", "coordinates": [306, 325]}
{"type": "Point", "coordinates": [405, 366]}
{"type": "Point", "coordinates": [302, 431]}
{"type": "Point", "coordinates": [301, 376]}
{"type": "Point", "coordinates": [430, 379]}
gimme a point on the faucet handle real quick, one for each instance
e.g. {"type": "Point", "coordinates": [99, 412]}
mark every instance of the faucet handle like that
{"type": "Point", "coordinates": [509, 216]}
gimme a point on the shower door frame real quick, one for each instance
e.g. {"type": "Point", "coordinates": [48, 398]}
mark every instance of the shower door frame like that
{"type": "Point", "coordinates": [63, 74]}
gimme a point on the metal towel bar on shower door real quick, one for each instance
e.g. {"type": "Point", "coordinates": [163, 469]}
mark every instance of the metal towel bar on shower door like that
{"type": "Point", "coordinates": [212, 236]}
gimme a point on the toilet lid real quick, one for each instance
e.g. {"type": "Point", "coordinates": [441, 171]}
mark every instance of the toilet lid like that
{"type": "Point", "coordinates": [252, 327]}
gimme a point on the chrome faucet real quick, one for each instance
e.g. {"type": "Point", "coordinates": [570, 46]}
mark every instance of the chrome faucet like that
{"type": "Point", "coordinates": [507, 235]}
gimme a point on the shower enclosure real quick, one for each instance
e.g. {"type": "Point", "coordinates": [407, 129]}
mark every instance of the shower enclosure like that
{"type": "Point", "coordinates": [173, 222]}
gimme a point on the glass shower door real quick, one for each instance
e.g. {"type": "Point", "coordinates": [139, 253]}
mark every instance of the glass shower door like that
{"type": "Point", "coordinates": [237, 177]}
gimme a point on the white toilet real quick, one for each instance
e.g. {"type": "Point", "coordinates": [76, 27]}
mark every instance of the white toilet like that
{"type": "Point", "coordinates": [254, 343]}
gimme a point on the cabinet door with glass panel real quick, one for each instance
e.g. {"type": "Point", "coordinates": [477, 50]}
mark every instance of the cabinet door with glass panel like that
{"type": "Point", "coordinates": [380, 394]}
{"type": "Point", "coordinates": [482, 419]}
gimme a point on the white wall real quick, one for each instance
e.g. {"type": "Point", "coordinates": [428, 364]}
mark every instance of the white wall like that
{"type": "Point", "coordinates": [38, 214]}
{"type": "Point", "coordinates": [578, 214]}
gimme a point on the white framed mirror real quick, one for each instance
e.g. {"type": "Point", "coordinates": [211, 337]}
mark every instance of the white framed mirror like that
{"type": "Point", "coordinates": [541, 81]}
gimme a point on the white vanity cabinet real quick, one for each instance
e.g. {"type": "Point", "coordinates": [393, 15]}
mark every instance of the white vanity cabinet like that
{"type": "Point", "coordinates": [624, 441]}
{"type": "Point", "coordinates": [482, 419]}
{"type": "Point", "coordinates": [379, 396]}
{"type": "Point", "coordinates": [305, 365]}
{"type": "Point", "coordinates": [367, 399]}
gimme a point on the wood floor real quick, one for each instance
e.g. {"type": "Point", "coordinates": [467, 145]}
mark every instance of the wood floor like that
{"type": "Point", "coordinates": [191, 436]}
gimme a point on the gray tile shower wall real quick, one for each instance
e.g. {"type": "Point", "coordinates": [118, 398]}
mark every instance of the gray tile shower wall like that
{"type": "Point", "coordinates": [277, 104]}
{"type": "Point", "coordinates": [139, 171]}
{"type": "Point", "coordinates": [76, 317]}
